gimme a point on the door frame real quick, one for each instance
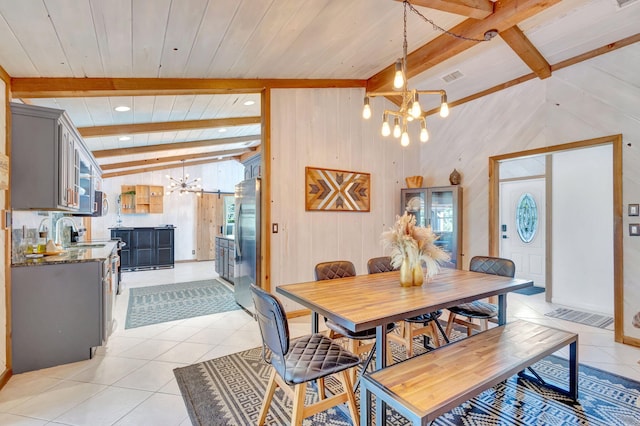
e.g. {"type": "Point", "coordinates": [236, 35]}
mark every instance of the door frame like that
{"type": "Point", "coordinates": [618, 267]}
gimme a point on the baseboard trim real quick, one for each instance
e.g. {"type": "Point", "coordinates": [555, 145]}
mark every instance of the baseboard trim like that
{"type": "Point", "coordinates": [5, 376]}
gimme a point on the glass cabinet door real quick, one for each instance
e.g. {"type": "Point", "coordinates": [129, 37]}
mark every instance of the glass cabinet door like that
{"type": "Point", "coordinates": [442, 217]}
{"type": "Point", "coordinates": [440, 208]}
{"type": "Point", "coordinates": [414, 201]}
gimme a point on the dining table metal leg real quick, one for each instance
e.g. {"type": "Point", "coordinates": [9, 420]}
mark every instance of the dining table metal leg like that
{"type": "Point", "coordinates": [314, 322]}
{"type": "Point", "coordinates": [502, 309]}
{"type": "Point", "coordinates": [381, 362]}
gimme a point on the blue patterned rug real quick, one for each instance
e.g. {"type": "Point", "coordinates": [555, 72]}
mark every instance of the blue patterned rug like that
{"type": "Point", "coordinates": [229, 390]}
{"type": "Point", "coordinates": [170, 302]}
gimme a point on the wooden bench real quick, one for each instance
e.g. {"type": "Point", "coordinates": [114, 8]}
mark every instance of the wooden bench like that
{"type": "Point", "coordinates": [426, 386]}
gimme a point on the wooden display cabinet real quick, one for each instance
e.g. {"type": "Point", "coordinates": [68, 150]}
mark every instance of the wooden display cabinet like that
{"type": "Point", "coordinates": [141, 199]}
{"type": "Point", "coordinates": [128, 199]}
{"type": "Point", "coordinates": [156, 194]}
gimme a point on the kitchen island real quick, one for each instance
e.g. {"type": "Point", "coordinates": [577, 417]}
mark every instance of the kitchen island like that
{"type": "Point", "coordinates": [62, 305]}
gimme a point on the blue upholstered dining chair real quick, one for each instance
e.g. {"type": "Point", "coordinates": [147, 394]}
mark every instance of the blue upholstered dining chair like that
{"type": "Point", "coordinates": [297, 362]}
{"type": "Point", "coordinates": [426, 324]}
{"type": "Point", "coordinates": [479, 309]}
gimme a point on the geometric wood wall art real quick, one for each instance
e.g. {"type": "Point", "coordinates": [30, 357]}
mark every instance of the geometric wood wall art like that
{"type": "Point", "coordinates": [337, 190]}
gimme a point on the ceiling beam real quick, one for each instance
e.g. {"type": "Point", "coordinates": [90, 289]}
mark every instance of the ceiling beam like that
{"type": "Point", "coordinates": [93, 87]}
{"type": "Point", "coordinates": [174, 158]}
{"type": "Point", "coordinates": [173, 146]}
{"type": "Point", "coordinates": [507, 13]}
{"type": "Point", "coordinates": [128, 129]}
{"type": "Point", "coordinates": [477, 9]}
{"type": "Point", "coordinates": [563, 64]}
{"type": "Point", "coordinates": [523, 47]}
{"type": "Point", "coordinates": [165, 167]}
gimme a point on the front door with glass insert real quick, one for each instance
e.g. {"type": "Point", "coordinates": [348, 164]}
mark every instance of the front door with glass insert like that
{"type": "Point", "coordinates": [522, 225]}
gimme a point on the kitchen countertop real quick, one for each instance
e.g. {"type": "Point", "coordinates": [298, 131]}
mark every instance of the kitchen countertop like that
{"type": "Point", "coordinates": [73, 254]}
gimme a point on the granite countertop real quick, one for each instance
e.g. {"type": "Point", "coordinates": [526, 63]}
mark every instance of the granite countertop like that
{"type": "Point", "coordinates": [82, 252]}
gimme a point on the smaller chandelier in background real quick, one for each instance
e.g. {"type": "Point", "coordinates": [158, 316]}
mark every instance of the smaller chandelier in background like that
{"type": "Point", "coordinates": [184, 185]}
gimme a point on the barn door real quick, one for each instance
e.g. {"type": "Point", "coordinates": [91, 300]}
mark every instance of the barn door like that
{"type": "Point", "coordinates": [209, 221]}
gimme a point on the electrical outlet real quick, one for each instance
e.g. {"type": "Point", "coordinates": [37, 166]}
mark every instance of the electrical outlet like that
{"type": "Point", "coordinates": [193, 252]}
{"type": "Point", "coordinates": [274, 228]}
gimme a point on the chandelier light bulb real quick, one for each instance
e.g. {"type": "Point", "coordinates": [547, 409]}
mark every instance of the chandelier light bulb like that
{"type": "Point", "coordinates": [444, 107]}
{"type": "Point", "coordinates": [396, 128]}
{"type": "Point", "coordinates": [404, 140]}
{"type": "Point", "coordinates": [444, 110]}
{"type": "Point", "coordinates": [424, 135]}
{"type": "Point", "coordinates": [398, 80]}
{"type": "Point", "coordinates": [416, 110]}
{"type": "Point", "coordinates": [386, 129]}
{"type": "Point", "coordinates": [366, 111]}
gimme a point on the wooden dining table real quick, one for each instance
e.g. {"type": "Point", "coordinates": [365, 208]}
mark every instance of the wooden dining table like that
{"type": "Point", "coordinates": [375, 300]}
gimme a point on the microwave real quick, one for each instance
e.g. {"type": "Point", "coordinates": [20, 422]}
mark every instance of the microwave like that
{"type": "Point", "coordinates": [101, 204]}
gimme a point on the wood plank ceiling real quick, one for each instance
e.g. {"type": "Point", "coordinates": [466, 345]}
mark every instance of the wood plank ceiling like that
{"type": "Point", "coordinates": [190, 69]}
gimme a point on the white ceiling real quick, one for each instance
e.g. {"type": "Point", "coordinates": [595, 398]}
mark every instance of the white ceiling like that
{"type": "Point", "coordinates": [261, 39]}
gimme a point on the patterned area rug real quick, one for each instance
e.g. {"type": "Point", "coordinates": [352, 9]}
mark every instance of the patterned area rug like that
{"type": "Point", "coordinates": [170, 302]}
{"type": "Point", "coordinates": [229, 390]}
{"type": "Point", "coordinates": [585, 318]}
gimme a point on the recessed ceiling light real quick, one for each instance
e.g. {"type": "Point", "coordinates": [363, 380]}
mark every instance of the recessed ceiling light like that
{"type": "Point", "coordinates": [222, 130]}
{"type": "Point", "coordinates": [122, 108]}
{"type": "Point", "coordinates": [248, 103]}
{"type": "Point", "coordinates": [124, 138]}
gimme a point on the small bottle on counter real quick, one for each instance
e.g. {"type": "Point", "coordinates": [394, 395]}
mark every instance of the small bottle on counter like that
{"type": "Point", "coordinates": [28, 246]}
{"type": "Point", "coordinates": [42, 242]}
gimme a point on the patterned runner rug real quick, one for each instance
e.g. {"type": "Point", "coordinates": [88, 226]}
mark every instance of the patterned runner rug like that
{"type": "Point", "coordinates": [170, 302]}
{"type": "Point", "coordinates": [585, 318]}
{"type": "Point", "coordinates": [229, 390]}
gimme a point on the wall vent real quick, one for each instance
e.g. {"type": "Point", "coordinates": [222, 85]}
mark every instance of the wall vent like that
{"type": "Point", "coordinates": [456, 75]}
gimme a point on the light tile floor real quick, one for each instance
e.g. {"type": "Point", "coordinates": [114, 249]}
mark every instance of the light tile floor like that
{"type": "Point", "coordinates": [131, 382]}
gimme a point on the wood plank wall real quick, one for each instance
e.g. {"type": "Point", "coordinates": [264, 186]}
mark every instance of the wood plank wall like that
{"type": "Point", "coordinates": [589, 100]}
{"type": "Point", "coordinates": [324, 128]}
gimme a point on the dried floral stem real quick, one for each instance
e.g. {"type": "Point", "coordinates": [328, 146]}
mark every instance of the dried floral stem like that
{"type": "Point", "coordinates": [415, 243]}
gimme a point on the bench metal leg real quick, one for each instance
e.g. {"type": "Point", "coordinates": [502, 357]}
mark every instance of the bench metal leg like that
{"type": "Point", "coordinates": [365, 406]}
{"type": "Point", "coordinates": [572, 392]}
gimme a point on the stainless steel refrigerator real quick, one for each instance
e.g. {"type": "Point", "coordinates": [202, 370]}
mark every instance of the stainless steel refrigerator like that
{"type": "Point", "coordinates": [247, 241]}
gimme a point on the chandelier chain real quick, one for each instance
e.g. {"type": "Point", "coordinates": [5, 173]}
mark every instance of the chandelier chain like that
{"type": "Point", "coordinates": [435, 26]}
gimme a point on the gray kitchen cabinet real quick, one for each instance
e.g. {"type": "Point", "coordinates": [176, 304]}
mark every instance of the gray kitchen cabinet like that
{"type": "Point", "coordinates": [146, 248]}
{"type": "Point", "coordinates": [225, 258]}
{"type": "Point", "coordinates": [58, 313]}
{"type": "Point", "coordinates": [253, 167]}
{"type": "Point", "coordinates": [47, 154]}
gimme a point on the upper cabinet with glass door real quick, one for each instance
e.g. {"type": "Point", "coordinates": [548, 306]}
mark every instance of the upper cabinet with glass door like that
{"type": "Point", "coordinates": [441, 208]}
{"type": "Point", "coordinates": [46, 152]}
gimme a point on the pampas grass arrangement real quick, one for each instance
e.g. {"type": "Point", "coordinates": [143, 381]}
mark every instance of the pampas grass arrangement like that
{"type": "Point", "coordinates": [415, 244]}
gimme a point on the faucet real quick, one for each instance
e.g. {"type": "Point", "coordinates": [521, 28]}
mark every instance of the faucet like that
{"type": "Point", "coordinates": [59, 224]}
